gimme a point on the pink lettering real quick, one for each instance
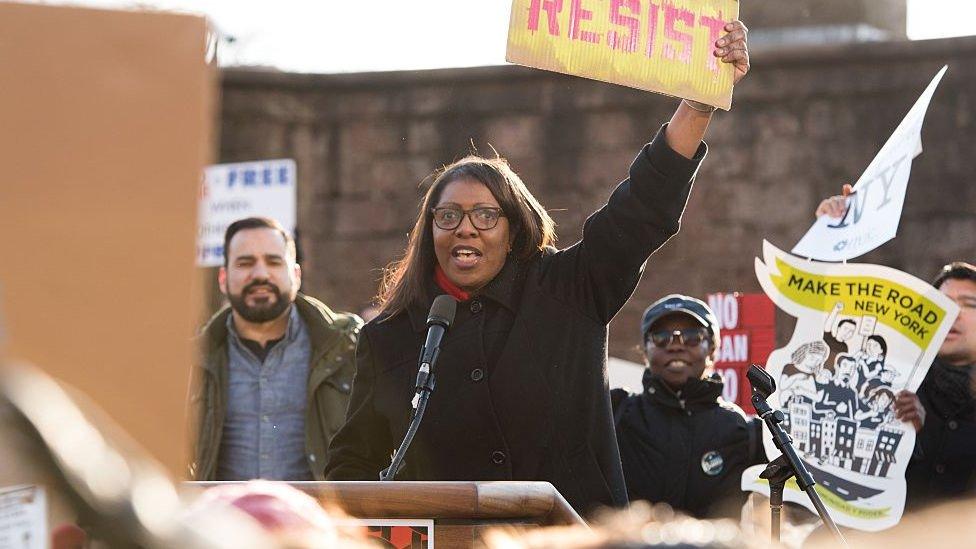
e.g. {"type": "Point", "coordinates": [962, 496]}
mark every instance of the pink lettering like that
{"type": "Point", "coordinates": [577, 14]}
{"type": "Point", "coordinates": [651, 27]}
{"type": "Point", "coordinates": [671, 16]}
{"type": "Point", "coordinates": [629, 43]}
{"type": "Point", "coordinates": [552, 7]}
{"type": "Point", "coordinates": [715, 26]}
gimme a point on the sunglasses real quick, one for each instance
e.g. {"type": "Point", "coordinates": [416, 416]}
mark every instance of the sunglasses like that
{"type": "Point", "coordinates": [689, 337]}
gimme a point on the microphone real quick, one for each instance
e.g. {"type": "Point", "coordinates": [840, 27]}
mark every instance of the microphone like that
{"type": "Point", "coordinates": [438, 321]}
{"type": "Point", "coordinates": [761, 381]}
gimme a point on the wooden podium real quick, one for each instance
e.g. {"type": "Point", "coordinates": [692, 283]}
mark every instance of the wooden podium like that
{"type": "Point", "coordinates": [461, 511]}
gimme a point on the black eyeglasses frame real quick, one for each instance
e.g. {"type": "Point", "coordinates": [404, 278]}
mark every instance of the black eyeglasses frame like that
{"type": "Point", "coordinates": [499, 211]}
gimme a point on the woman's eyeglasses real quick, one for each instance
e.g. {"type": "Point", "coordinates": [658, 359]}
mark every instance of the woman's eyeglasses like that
{"type": "Point", "coordinates": [447, 218]}
{"type": "Point", "coordinates": [689, 337]}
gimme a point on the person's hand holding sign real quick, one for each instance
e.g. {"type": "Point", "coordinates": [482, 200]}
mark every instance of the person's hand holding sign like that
{"type": "Point", "coordinates": [909, 408]}
{"type": "Point", "coordinates": [835, 206]}
{"type": "Point", "coordinates": [688, 125]}
{"type": "Point", "coordinates": [731, 48]}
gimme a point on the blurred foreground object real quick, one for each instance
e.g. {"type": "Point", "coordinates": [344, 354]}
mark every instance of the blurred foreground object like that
{"type": "Point", "coordinates": [106, 130]}
{"type": "Point", "coordinates": [294, 518]}
{"type": "Point", "coordinates": [115, 493]}
{"type": "Point", "coordinates": [640, 525]}
{"type": "Point", "coordinates": [444, 514]}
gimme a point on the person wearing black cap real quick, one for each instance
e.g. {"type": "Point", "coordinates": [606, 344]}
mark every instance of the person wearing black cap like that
{"type": "Point", "coordinates": [680, 442]}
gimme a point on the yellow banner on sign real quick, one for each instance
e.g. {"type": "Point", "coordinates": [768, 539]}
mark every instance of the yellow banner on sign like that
{"type": "Point", "coordinates": [837, 503]}
{"type": "Point", "coordinates": [912, 314]}
{"type": "Point", "coordinates": [663, 46]}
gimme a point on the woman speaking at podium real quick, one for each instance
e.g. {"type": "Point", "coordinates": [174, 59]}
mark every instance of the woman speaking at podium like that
{"type": "Point", "coordinates": [521, 383]}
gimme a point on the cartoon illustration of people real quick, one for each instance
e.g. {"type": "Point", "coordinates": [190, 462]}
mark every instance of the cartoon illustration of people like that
{"type": "Point", "coordinates": [839, 399]}
{"type": "Point", "coordinates": [877, 410]}
{"type": "Point", "coordinates": [871, 358]}
{"type": "Point", "coordinates": [839, 337]}
{"type": "Point", "coordinates": [798, 378]}
{"type": "Point", "coordinates": [838, 396]}
{"type": "Point", "coordinates": [884, 378]}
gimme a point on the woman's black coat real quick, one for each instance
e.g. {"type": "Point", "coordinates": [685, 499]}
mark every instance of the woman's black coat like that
{"type": "Point", "coordinates": [521, 390]}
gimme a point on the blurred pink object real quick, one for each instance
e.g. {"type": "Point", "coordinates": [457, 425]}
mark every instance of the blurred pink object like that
{"type": "Point", "coordinates": [278, 508]}
{"type": "Point", "coordinates": [68, 536]}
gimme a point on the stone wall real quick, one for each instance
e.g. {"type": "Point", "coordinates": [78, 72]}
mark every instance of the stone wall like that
{"type": "Point", "coordinates": [885, 15]}
{"type": "Point", "coordinates": [803, 123]}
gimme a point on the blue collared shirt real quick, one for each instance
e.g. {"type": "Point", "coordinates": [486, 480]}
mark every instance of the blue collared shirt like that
{"type": "Point", "coordinates": [264, 428]}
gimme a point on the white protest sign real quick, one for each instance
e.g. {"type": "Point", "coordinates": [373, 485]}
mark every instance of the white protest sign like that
{"type": "Point", "coordinates": [230, 192]}
{"type": "Point", "coordinates": [874, 208]}
{"type": "Point", "coordinates": [863, 333]}
{"type": "Point", "coordinates": [23, 517]}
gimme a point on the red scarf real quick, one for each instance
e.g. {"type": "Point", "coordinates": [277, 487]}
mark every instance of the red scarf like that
{"type": "Point", "coordinates": [448, 286]}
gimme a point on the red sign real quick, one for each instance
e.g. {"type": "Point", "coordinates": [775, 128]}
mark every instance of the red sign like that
{"type": "Point", "coordinates": [401, 533]}
{"type": "Point", "coordinates": [747, 323]}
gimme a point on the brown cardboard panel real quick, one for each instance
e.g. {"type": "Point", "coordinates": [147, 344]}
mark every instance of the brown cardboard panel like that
{"type": "Point", "coordinates": [106, 120]}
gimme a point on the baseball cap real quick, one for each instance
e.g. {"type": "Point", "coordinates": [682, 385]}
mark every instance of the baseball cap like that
{"type": "Point", "coordinates": [677, 303]}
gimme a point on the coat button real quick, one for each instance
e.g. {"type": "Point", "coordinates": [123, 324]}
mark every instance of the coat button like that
{"type": "Point", "coordinates": [953, 425]}
{"type": "Point", "coordinates": [940, 468]}
{"type": "Point", "coordinates": [498, 457]}
{"type": "Point", "coordinates": [476, 306]}
{"type": "Point", "coordinates": [477, 374]}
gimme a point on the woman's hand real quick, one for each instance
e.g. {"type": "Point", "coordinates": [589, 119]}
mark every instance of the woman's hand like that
{"type": "Point", "coordinates": [732, 48]}
{"type": "Point", "coordinates": [835, 206]}
{"type": "Point", "coordinates": [688, 125]}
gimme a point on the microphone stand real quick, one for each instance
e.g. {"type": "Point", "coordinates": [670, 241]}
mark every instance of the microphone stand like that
{"type": "Point", "coordinates": [425, 386]}
{"type": "Point", "coordinates": [440, 319]}
{"type": "Point", "coordinates": [789, 463]}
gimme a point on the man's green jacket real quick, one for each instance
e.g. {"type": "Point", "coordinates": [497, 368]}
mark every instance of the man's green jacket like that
{"type": "Point", "coordinates": [333, 338]}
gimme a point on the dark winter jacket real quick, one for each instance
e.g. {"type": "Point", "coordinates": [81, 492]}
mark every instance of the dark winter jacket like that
{"type": "Point", "coordinates": [943, 465]}
{"type": "Point", "coordinates": [687, 450]}
{"type": "Point", "coordinates": [521, 390]}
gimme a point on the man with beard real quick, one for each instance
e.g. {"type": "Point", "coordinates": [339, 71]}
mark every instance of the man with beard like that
{"type": "Point", "coordinates": [275, 367]}
{"type": "Point", "coordinates": [839, 398]}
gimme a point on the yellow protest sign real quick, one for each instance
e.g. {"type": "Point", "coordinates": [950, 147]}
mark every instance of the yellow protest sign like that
{"type": "Point", "coordinates": [663, 46]}
{"type": "Point", "coordinates": [909, 312]}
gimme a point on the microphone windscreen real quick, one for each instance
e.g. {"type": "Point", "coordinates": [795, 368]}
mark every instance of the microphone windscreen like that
{"type": "Point", "coordinates": [442, 311]}
{"type": "Point", "coordinates": [760, 380]}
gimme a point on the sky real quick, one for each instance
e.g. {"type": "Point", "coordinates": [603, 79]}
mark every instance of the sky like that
{"type": "Point", "coordinates": [326, 36]}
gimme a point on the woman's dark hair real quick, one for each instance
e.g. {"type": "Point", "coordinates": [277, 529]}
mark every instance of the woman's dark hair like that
{"type": "Point", "coordinates": [880, 340]}
{"type": "Point", "coordinates": [405, 281]}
